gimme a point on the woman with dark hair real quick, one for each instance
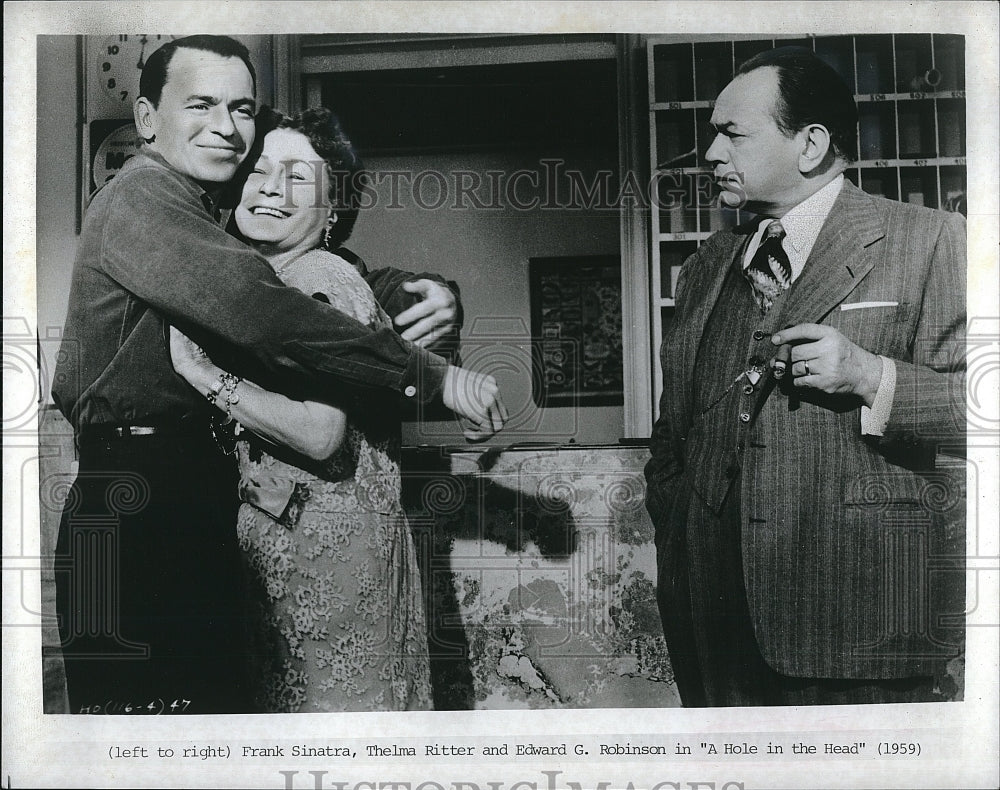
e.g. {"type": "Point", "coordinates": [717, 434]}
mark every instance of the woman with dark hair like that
{"type": "Point", "coordinates": [336, 608]}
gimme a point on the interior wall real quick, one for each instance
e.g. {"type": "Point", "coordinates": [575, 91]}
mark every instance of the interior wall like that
{"type": "Point", "coordinates": [56, 186]}
{"type": "Point", "coordinates": [486, 251]}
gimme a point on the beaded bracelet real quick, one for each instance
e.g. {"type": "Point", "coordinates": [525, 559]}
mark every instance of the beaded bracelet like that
{"type": "Point", "coordinates": [228, 382]}
{"type": "Point", "coordinates": [215, 388]}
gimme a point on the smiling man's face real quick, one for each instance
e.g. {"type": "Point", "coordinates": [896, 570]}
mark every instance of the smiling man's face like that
{"type": "Point", "coordinates": [204, 124]}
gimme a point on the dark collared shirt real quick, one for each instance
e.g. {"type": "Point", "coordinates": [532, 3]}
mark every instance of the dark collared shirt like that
{"type": "Point", "coordinates": [152, 253]}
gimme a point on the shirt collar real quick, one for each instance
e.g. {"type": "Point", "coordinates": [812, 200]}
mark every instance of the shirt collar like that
{"type": "Point", "coordinates": [803, 223]}
{"type": "Point", "coordinates": [209, 197]}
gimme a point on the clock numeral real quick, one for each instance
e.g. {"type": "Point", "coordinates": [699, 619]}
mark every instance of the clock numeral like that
{"type": "Point", "coordinates": [124, 95]}
{"type": "Point", "coordinates": [111, 83]}
{"type": "Point", "coordinates": [105, 66]}
{"type": "Point", "coordinates": [113, 50]}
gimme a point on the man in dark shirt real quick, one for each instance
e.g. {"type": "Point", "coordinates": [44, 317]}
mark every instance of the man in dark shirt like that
{"type": "Point", "coordinates": [149, 587]}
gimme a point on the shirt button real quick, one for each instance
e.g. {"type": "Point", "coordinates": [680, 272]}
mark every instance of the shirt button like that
{"type": "Point", "coordinates": [410, 391]}
{"type": "Point", "coordinates": [748, 389]}
{"type": "Point", "coordinates": [758, 335]}
{"type": "Point", "coordinates": [744, 417]}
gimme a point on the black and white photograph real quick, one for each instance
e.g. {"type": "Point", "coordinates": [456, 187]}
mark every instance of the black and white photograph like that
{"type": "Point", "coordinates": [532, 395]}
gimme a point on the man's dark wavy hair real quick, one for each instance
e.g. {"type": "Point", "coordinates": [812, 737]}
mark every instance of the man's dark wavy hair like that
{"type": "Point", "coordinates": [326, 135]}
{"type": "Point", "coordinates": [154, 72]}
{"type": "Point", "coordinates": [810, 91]}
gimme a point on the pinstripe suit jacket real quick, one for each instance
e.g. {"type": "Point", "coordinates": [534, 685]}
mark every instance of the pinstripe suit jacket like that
{"type": "Point", "coordinates": [851, 545]}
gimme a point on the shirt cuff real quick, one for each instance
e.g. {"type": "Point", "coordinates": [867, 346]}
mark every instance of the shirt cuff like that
{"type": "Point", "coordinates": [874, 419]}
{"type": "Point", "coordinates": [423, 379]}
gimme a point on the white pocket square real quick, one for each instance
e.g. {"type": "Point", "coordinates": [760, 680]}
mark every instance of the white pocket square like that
{"type": "Point", "coordinates": [862, 305]}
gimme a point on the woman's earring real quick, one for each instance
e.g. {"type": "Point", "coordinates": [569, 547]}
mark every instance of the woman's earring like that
{"type": "Point", "coordinates": [331, 221]}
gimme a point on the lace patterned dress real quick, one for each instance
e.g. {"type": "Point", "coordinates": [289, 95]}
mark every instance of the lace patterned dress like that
{"type": "Point", "coordinates": [337, 613]}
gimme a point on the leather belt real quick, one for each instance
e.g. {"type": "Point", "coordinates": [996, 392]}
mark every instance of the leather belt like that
{"type": "Point", "coordinates": [130, 430]}
{"type": "Point", "coordinates": [103, 432]}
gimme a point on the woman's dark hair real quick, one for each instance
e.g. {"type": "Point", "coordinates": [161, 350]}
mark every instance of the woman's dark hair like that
{"type": "Point", "coordinates": [344, 167]}
{"type": "Point", "coordinates": [346, 170]}
{"type": "Point", "coordinates": [810, 91]}
{"type": "Point", "coordinates": [154, 73]}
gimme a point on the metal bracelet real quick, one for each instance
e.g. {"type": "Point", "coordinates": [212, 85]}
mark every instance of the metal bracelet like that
{"type": "Point", "coordinates": [230, 383]}
{"type": "Point", "coordinates": [215, 388]}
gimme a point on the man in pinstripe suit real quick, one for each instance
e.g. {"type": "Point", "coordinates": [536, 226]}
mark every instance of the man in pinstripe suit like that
{"type": "Point", "coordinates": [808, 548]}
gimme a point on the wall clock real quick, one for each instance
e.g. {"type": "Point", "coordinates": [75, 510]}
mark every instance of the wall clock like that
{"type": "Point", "coordinates": [112, 67]}
{"type": "Point", "coordinates": [119, 63]}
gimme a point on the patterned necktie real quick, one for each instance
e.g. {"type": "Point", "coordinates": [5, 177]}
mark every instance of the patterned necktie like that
{"type": "Point", "coordinates": [769, 271]}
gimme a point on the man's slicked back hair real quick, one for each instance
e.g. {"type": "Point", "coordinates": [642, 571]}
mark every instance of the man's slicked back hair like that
{"type": "Point", "coordinates": [810, 91]}
{"type": "Point", "coordinates": [154, 73]}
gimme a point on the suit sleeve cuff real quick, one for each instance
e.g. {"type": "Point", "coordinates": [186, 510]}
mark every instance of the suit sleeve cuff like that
{"type": "Point", "coordinates": [875, 418]}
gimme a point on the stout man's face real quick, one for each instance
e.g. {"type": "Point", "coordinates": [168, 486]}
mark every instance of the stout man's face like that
{"type": "Point", "coordinates": [754, 162]}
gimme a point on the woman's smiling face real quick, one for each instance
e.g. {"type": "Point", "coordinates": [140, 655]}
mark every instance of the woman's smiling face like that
{"type": "Point", "coordinates": [286, 202]}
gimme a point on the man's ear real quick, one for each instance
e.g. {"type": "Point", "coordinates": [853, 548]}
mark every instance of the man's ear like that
{"type": "Point", "coordinates": [816, 145]}
{"type": "Point", "coordinates": [144, 114]}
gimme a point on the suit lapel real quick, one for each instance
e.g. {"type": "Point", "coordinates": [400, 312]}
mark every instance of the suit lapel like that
{"type": "Point", "coordinates": [838, 261]}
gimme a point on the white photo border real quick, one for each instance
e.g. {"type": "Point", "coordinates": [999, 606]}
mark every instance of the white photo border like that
{"type": "Point", "coordinates": [961, 739]}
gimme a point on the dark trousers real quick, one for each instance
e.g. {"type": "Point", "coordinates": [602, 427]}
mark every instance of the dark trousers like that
{"type": "Point", "coordinates": [149, 586]}
{"type": "Point", "coordinates": [709, 633]}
